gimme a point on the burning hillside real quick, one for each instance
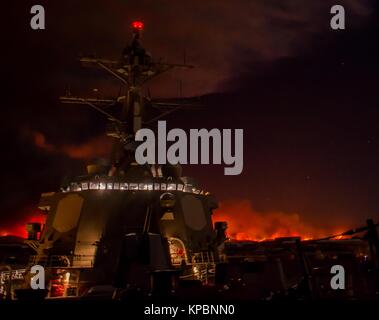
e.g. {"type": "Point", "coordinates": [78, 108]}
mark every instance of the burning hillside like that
{"type": "Point", "coordinates": [245, 223]}
{"type": "Point", "coordinates": [19, 228]}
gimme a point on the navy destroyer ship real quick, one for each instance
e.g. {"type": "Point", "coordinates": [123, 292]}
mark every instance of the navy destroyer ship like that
{"type": "Point", "coordinates": [123, 224]}
{"type": "Point", "coordinates": [123, 229]}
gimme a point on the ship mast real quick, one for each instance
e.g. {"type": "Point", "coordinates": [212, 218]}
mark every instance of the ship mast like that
{"type": "Point", "coordinates": [133, 70]}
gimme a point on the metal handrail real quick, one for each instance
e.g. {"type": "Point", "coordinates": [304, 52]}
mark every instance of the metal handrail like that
{"type": "Point", "coordinates": [68, 261]}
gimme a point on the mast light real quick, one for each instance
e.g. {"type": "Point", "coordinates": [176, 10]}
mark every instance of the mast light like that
{"type": "Point", "coordinates": [137, 25]}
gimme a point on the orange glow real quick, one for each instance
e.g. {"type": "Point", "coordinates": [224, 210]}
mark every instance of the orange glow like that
{"type": "Point", "coordinates": [97, 147]}
{"type": "Point", "coordinates": [244, 223]}
{"type": "Point", "coordinates": [40, 142]}
{"type": "Point", "coordinates": [19, 229]}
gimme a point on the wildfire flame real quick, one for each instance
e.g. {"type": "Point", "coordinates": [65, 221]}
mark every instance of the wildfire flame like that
{"type": "Point", "coordinates": [245, 223]}
{"type": "Point", "coordinates": [19, 229]}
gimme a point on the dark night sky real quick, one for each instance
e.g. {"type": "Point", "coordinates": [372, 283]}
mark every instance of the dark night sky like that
{"type": "Point", "coordinates": [306, 96]}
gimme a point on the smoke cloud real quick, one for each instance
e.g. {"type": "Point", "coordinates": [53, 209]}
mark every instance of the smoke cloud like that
{"type": "Point", "coordinates": [245, 223]}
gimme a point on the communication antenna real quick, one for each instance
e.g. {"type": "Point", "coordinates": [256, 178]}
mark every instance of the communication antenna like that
{"type": "Point", "coordinates": [133, 70]}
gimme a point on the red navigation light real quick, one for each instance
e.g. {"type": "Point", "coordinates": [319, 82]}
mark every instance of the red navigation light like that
{"type": "Point", "coordinates": [137, 25]}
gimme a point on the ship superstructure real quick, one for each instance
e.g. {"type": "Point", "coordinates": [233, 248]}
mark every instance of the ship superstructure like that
{"type": "Point", "coordinates": [118, 225]}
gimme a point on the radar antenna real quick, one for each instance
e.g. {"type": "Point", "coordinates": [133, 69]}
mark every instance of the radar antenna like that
{"type": "Point", "coordinates": [134, 69]}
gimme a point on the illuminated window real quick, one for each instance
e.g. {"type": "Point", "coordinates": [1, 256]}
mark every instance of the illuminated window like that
{"type": "Point", "coordinates": [180, 187]}
{"type": "Point", "coordinates": [142, 186]}
{"type": "Point", "coordinates": [93, 185]}
{"type": "Point", "coordinates": [116, 186]}
{"type": "Point", "coordinates": [109, 185]}
{"type": "Point", "coordinates": [102, 185]}
{"type": "Point", "coordinates": [75, 187]}
{"type": "Point", "coordinates": [163, 186]}
{"type": "Point", "coordinates": [177, 251]}
{"type": "Point", "coordinates": [149, 186]}
{"type": "Point", "coordinates": [157, 186]}
{"type": "Point", "coordinates": [133, 186]}
{"type": "Point", "coordinates": [171, 186]}
{"type": "Point", "coordinates": [123, 186]}
{"type": "Point", "coordinates": [85, 186]}
{"type": "Point", "coordinates": [187, 188]}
